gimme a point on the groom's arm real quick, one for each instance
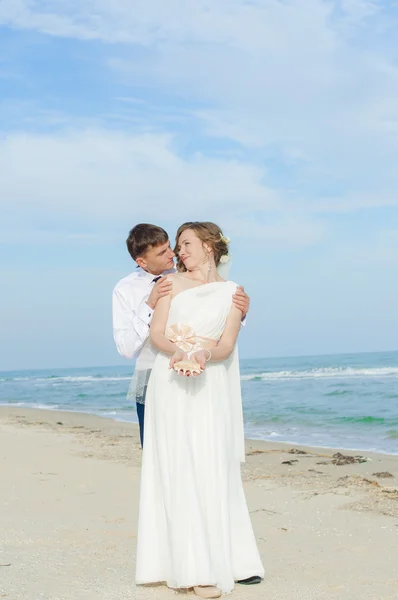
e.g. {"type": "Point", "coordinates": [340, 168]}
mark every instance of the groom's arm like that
{"type": "Point", "coordinates": [130, 323]}
{"type": "Point", "coordinates": [132, 312]}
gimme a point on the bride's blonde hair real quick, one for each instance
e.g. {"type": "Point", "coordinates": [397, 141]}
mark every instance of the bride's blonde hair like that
{"type": "Point", "coordinates": [208, 233]}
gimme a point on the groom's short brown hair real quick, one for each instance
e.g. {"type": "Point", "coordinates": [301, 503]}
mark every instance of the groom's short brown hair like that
{"type": "Point", "coordinates": [143, 237]}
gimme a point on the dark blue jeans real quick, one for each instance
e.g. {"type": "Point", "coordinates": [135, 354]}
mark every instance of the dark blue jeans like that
{"type": "Point", "coordinates": [142, 386]}
{"type": "Point", "coordinates": [141, 418]}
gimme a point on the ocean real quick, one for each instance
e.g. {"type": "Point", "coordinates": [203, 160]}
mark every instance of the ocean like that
{"type": "Point", "coordinates": [340, 401]}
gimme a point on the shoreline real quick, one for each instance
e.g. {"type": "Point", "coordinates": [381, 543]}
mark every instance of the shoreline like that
{"type": "Point", "coordinates": [253, 440]}
{"type": "Point", "coordinates": [73, 421]}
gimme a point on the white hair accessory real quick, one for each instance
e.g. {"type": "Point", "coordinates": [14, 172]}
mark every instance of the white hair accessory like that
{"type": "Point", "coordinates": [224, 259]}
{"type": "Point", "coordinates": [224, 266]}
{"type": "Point", "coordinates": [225, 239]}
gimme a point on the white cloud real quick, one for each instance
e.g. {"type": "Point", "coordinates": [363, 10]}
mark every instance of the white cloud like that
{"type": "Point", "coordinates": [220, 21]}
{"type": "Point", "coordinates": [235, 22]}
{"type": "Point", "coordinates": [105, 175]}
{"type": "Point", "coordinates": [308, 95]}
{"type": "Point", "coordinates": [290, 76]}
{"type": "Point", "coordinates": [316, 80]}
{"type": "Point", "coordinates": [356, 11]}
{"type": "Point", "coordinates": [284, 230]}
{"type": "Point", "coordinates": [79, 182]}
{"type": "Point", "coordinates": [353, 201]}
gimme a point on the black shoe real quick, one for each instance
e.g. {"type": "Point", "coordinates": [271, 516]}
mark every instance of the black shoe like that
{"type": "Point", "coordinates": [250, 580]}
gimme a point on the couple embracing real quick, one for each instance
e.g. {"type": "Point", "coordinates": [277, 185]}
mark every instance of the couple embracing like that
{"type": "Point", "coordinates": [182, 324]}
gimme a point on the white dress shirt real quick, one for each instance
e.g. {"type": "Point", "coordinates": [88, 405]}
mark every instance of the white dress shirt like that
{"type": "Point", "coordinates": [132, 316]}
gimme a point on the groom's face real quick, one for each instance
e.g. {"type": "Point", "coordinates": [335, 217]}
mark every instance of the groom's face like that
{"type": "Point", "coordinates": [157, 259]}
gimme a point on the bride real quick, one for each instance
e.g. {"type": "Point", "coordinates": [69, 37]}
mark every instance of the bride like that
{"type": "Point", "coordinates": [194, 527]}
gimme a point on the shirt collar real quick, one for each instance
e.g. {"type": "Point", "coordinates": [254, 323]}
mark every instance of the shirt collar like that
{"type": "Point", "coordinates": [149, 277]}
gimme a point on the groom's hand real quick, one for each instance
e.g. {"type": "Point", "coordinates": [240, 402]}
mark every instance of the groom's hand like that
{"type": "Point", "coordinates": [161, 288]}
{"type": "Point", "coordinates": [241, 300]}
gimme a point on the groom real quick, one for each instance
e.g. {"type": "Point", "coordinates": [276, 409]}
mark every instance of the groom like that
{"type": "Point", "coordinates": [135, 298]}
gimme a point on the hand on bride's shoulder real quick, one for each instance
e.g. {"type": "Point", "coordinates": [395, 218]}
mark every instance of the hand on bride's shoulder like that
{"type": "Point", "coordinates": [162, 288]}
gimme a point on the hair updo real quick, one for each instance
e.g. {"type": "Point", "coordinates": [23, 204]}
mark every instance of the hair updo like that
{"type": "Point", "coordinates": [208, 233]}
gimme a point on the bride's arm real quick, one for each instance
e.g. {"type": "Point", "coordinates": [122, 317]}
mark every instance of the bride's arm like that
{"type": "Point", "coordinates": [158, 326]}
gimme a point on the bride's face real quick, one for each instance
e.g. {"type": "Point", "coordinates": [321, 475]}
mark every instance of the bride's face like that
{"type": "Point", "coordinates": [191, 250]}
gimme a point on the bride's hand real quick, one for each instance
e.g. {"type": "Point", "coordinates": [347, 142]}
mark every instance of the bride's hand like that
{"type": "Point", "coordinates": [201, 357]}
{"type": "Point", "coordinates": [177, 356]}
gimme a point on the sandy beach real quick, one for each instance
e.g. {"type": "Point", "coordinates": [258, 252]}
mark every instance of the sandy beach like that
{"type": "Point", "coordinates": [327, 526]}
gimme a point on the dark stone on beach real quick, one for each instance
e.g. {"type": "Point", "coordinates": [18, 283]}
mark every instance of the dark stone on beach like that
{"type": "Point", "coordinates": [344, 459]}
{"type": "Point", "coordinates": [59, 423]}
{"type": "Point", "coordinates": [296, 451]}
{"type": "Point", "coordinates": [289, 462]}
{"type": "Point", "coordinates": [383, 474]}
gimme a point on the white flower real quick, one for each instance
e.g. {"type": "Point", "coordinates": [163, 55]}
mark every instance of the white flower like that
{"type": "Point", "coordinates": [224, 259]}
{"type": "Point", "coordinates": [225, 239]}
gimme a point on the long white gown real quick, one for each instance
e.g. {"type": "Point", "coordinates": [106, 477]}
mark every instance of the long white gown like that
{"type": "Point", "coordinates": [194, 525]}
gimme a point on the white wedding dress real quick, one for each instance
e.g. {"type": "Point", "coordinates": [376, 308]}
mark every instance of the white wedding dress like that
{"type": "Point", "coordinates": [194, 524]}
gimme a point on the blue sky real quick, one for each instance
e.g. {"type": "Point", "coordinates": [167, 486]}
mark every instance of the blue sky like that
{"type": "Point", "coordinates": [276, 119]}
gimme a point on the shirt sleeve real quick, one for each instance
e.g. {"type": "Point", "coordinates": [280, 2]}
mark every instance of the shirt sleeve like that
{"type": "Point", "coordinates": [130, 327]}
